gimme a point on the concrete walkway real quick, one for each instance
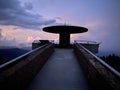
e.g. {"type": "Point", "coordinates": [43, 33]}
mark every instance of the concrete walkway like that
{"type": "Point", "coordinates": [61, 72]}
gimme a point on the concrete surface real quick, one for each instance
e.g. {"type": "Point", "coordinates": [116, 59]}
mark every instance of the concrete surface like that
{"type": "Point", "coordinates": [18, 74]}
{"type": "Point", "coordinates": [61, 72]}
{"type": "Point", "coordinates": [99, 76]}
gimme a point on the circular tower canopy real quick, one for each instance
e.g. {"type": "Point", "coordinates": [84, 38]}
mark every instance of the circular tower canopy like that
{"type": "Point", "coordinates": [65, 31]}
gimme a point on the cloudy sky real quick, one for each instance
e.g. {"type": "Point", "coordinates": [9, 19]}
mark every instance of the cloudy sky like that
{"type": "Point", "coordinates": [21, 21]}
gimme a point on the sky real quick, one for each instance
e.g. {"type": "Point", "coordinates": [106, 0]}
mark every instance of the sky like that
{"type": "Point", "coordinates": [21, 21]}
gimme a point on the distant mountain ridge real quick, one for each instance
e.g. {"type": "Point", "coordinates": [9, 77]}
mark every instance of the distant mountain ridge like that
{"type": "Point", "coordinates": [7, 54]}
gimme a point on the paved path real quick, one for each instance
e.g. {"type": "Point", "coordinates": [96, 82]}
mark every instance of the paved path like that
{"type": "Point", "coordinates": [61, 72]}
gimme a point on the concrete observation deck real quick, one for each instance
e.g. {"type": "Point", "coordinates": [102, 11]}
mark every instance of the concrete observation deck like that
{"type": "Point", "coordinates": [61, 72]}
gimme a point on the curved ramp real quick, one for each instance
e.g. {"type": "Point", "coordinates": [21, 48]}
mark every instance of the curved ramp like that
{"type": "Point", "coordinates": [61, 72]}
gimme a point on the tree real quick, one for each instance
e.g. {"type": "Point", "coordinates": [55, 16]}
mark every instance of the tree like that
{"type": "Point", "coordinates": [113, 60]}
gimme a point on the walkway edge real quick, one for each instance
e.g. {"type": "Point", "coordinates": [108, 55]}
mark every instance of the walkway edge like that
{"type": "Point", "coordinates": [20, 75]}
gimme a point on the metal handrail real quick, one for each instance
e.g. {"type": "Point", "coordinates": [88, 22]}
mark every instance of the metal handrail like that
{"type": "Point", "coordinates": [20, 57]}
{"type": "Point", "coordinates": [111, 69]}
{"type": "Point", "coordinates": [88, 42]}
{"type": "Point", "coordinates": [38, 41]}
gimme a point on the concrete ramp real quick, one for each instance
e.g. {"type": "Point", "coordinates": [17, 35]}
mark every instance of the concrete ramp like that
{"type": "Point", "coordinates": [61, 72]}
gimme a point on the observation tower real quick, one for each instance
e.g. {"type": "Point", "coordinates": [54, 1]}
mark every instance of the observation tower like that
{"type": "Point", "coordinates": [64, 33]}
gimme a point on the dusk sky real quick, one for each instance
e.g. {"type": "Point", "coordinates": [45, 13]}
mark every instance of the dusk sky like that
{"type": "Point", "coordinates": [21, 21]}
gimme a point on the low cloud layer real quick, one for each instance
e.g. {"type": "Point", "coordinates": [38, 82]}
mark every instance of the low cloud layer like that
{"type": "Point", "coordinates": [4, 42]}
{"type": "Point", "coordinates": [13, 13]}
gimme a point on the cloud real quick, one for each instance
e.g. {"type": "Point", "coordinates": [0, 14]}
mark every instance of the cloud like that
{"type": "Point", "coordinates": [5, 42]}
{"type": "Point", "coordinates": [0, 33]}
{"type": "Point", "coordinates": [11, 42]}
{"type": "Point", "coordinates": [30, 39]}
{"type": "Point", "coordinates": [103, 31]}
{"type": "Point", "coordinates": [13, 13]}
{"type": "Point", "coordinates": [28, 6]}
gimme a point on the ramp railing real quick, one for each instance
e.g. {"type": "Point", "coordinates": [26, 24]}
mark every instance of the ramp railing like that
{"type": "Point", "coordinates": [110, 68]}
{"type": "Point", "coordinates": [100, 74]}
{"type": "Point", "coordinates": [16, 60]}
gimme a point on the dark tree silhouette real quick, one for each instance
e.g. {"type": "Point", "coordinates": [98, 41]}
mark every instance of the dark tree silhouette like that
{"type": "Point", "coordinates": [113, 60]}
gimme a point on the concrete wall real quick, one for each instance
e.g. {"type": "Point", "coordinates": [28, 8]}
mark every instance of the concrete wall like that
{"type": "Point", "coordinates": [99, 77]}
{"type": "Point", "coordinates": [39, 43]}
{"type": "Point", "coordinates": [18, 76]}
{"type": "Point", "coordinates": [94, 48]}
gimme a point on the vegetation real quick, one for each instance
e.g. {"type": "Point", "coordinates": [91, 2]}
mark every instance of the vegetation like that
{"type": "Point", "coordinates": [11, 53]}
{"type": "Point", "coordinates": [113, 60]}
{"type": "Point", "coordinates": [3, 60]}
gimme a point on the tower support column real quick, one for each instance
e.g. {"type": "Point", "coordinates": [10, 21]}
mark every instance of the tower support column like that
{"type": "Point", "coordinates": [64, 40]}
